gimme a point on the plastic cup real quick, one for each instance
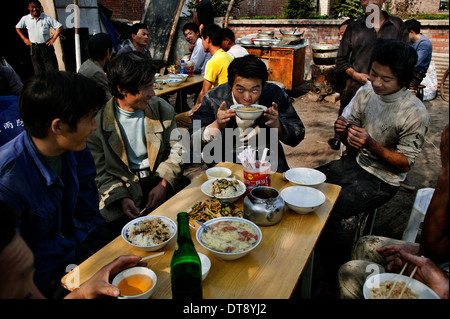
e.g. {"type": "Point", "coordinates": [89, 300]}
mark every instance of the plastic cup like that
{"type": "Point", "coordinates": [258, 176]}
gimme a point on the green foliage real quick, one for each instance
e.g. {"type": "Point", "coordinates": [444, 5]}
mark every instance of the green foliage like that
{"type": "Point", "coordinates": [346, 8]}
{"type": "Point", "coordinates": [429, 16]}
{"type": "Point", "coordinates": [299, 9]}
{"type": "Point", "coordinates": [220, 6]}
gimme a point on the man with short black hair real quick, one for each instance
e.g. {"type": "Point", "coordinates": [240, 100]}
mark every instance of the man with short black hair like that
{"type": "Point", "coordinates": [100, 48]}
{"type": "Point", "coordinates": [230, 46]}
{"type": "Point", "coordinates": [41, 44]}
{"type": "Point", "coordinates": [47, 174]}
{"type": "Point", "coordinates": [139, 40]}
{"type": "Point", "coordinates": [217, 67]}
{"type": "Point", "coordinates": [424, 50]}
{"type": "Point", "coordinates": [198, 55]}
{"type": "Point", "coordinates": [138, 165]}
{"type": "Point", "coordinates": [247, 84]}
{"type": "Point", "coordinates": [386, 128]}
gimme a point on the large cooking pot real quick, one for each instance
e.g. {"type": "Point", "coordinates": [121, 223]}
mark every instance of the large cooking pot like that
{"type": "Point", "coordinates": [265, 34]}
{"type": "Point", "coordinates": [324, 53]}
{"type": "Point", "coordinates": [291, 37]}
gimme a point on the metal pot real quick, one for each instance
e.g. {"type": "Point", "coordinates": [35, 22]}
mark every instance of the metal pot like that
{"type": "Point", "coordinates": [265, 34]}
{"type": "Point", "coordinates": [264, 206]}
{"type": "Point", "coordinates": [323, 47]}
{"type": "Point", "coordinates": [291, 37]}
{"type": "Point", "coordinates": [324, 53]}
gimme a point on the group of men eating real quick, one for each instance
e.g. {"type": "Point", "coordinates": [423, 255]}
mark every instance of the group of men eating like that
{"type": "Point", "coordinates": [83, 168]}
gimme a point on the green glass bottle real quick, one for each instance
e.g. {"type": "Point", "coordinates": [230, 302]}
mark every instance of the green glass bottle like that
{"type": "Point", "coordinates": [185, 266]}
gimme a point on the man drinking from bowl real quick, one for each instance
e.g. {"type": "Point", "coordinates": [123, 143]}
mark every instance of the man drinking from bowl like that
{"type": "Point", "coordinates": [247, 84]}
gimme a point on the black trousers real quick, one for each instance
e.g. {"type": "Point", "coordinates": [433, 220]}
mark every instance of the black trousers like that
{"type": "Point", "coordinates": [43, 58]}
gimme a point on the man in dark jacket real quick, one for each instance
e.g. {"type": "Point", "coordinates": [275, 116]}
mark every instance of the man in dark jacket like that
{"type": "Point", "coordinates": [214, 120]}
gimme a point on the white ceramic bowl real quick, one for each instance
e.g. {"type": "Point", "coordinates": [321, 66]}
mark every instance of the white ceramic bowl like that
{"type": "Point", "coordinates": [423, 291]}
{"type": "Point", "coordinates": [229, 256]}
{"type": "Point", "coordinates": [173, 229]}
{"type": "Point", "coordinates": [207, 186]}
{"type": "Point", "coordinates": [206, 265]}
{"type": "Point", "coordinates": [218, 172]}
{"type": "Point", "coordinates": [248, 115]}
{"type": "Point", "coordinates": [302, 199]}
{"type": "Point", "coordinates": [305, 176]}
{"type": "Point", "coordinates": [179, 76]}
{"type": "Point", "coordinates": [174, 82]}
{"type": "Point", "coordinates": [136, 271]}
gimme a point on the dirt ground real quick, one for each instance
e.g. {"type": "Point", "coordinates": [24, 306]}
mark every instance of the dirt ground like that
{"type": "Point", "coordinates": [313, 151]}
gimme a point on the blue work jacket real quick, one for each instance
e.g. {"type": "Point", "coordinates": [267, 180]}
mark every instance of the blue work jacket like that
{"type": "Point", "coordinates": [55, 213]}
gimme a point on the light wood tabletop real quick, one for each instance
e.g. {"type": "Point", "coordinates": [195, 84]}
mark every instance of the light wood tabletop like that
{"type": "Point", "coordinates": [191, 80]}
{"type": "Point", "coordinates": [270, 271]}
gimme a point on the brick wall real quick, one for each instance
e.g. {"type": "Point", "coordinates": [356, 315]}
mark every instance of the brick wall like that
{"type": "Point", "coordinates": [132, 10]}
{"type": "Point", "coordinates": [252, 8]}
{"type": "Point", "coordinates": [317, 31]}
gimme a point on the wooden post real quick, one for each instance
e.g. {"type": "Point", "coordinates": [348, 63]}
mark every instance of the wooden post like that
{"type": "Point", "coordinates": [227, 16]}
{"type": "Point", "coordinates": [171, 36]}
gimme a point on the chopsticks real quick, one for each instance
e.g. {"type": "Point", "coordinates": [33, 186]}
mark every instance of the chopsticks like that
{"type": "Point", "coordinates": [398, 277]}
{"type": "Point", "coordinates": [409, 280]}
{"type": "Point", "coordinates": [396, 280]}
{"type": "Point", "coordinates": [153, 256]}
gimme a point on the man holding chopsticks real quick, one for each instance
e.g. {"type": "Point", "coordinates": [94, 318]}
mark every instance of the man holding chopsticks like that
{"type": "Point", "coordinates": [387, 129]}
{"type": "Point", "coordinates": [391, 255]}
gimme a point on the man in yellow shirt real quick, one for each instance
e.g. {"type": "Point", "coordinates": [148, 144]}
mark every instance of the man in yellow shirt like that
{"type": "Point", "coordinates": [216, 72]}
{"type": "Point", "coordinates": [217, 68]}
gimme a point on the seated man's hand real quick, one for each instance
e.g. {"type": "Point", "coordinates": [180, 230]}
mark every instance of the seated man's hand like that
{"type": "Point", "coordinates": [341, 126]}
{"type": "Point", "coordinates": [428, 273]}
{"type": "Point", "coordinates": [223, 116]}
{"type": "Point", "coordinates": [358, 137]}
{"type": "Point", "coordinates": [392, 256]}
{"type": "Point", "coordinates": [157, 195]}
{"type": "Point", "coordinates": [98, 286]}
{"type": "Point", "coordinates": [272, 116]}
{"type": "Point", "coordinates": [129, 208]}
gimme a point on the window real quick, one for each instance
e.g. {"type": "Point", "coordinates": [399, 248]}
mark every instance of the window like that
{"type": "Point", "coordinates": [443, 5]}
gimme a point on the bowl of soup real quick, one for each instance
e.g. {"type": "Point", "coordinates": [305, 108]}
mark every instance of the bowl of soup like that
{"type": "Point", "coordinates": [229, 238]}
{"type": "Point", "coordinates": [135, 283]}
{"type": "Point", "coordinates": [218, 172]}
{"type": "Point", "coordinates": [250, 112]}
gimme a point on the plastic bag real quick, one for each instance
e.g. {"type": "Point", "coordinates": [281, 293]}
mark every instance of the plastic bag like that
{"type": "Point", "coordinates": [431, 83]}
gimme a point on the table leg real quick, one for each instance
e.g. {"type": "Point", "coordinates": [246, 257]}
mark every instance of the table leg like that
{"type": "Point", "coordinates": [306, 281]}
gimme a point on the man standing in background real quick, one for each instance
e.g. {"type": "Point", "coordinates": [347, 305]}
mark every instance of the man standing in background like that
{"type": "Point", "coordinates": [424, 50]}
{"type": "Point", "coordinates": [38, 26]}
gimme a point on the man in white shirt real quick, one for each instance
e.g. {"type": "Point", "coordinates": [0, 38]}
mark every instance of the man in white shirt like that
{"type": "Point", "coordinates": [198, 54]}
{"type": "Point", "coordinates": [41, 44]}
{"type": "Point", "coordinates": [229, 44]}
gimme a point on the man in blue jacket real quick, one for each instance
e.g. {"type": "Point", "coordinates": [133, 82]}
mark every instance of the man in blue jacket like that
{"type": "Point", "coordinates": [48, 175]}
{"type": "Point", "coordinates": [424, 50]}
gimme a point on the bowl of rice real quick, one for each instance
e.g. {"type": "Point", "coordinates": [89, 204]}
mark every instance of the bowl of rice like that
{"type": "Point", "coordinates": [149, 233]}
{"type": "Point", "coordinates": [378, 286]}
{"type": "Point", "coordinates": [228, 190]}
{"type": "Point", "coordinates": [229, 238]}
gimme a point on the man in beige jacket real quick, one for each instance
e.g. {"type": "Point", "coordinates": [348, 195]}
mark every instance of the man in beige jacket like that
{"type": "Point", "coordinates": [135, 147]}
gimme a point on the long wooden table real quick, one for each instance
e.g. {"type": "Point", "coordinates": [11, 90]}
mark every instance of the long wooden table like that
{"type": "Point", "coordinates": [191, 80]}
{"type": "Point", "coordinates": [271, 271]}
{"type": "Point", "coordinates": [166, 89]}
